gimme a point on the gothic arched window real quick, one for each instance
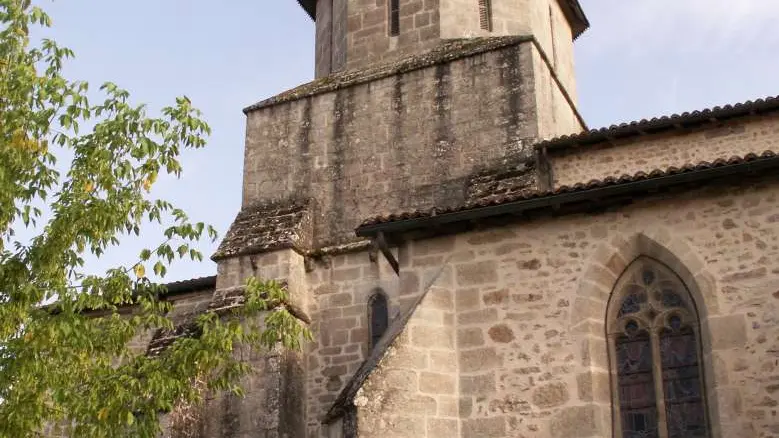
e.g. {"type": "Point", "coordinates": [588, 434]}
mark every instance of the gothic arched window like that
{"type": "Point", "coordinates": [654, 346]}
{"type": "Point", "coordinates": [378, 316]}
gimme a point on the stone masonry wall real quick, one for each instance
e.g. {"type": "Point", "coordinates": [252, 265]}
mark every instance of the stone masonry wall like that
{"type": "Point", "coordinates": [661, 151]}
{"type": "Point", "coordinates": [393, 144]}
{"type": "Point", "coordinates": [555, 114]}
{"type": "Point", "coordinates": [323, 49]}
{"type": "Point", "coordinates": [543, 19]}
{"type": "Point", "coordinates": [340, 287]}
{"type": "Point", "coordinates": [354, 34]}
{"type": "Point", "coordinates": [274, 405]}
{"type": "Point", "coordinates": [413, 391]}
{"type": "Point", "coordinates": [331, 30]}
{"type": "Point", "coordinates": [340, 31]}
{"type": "Point", "coordinates": [531, 301]}
{"type": "Point", "coordinates": [368, 38]}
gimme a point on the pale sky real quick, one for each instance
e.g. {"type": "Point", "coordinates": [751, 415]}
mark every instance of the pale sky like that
{"type": "Point", "coordinates": [639, 59]}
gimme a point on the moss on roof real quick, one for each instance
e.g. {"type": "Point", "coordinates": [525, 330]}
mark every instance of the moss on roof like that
{"type": "Point", "coordinates": [447, 51]}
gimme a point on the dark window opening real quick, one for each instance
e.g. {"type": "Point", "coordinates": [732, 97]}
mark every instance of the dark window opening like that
{"type": "Point", "coordinates": [378, 315]}
{"type": "Point", "coordinates": [485, 15]}
{"type": "Point", "coordinates": [394, 17]}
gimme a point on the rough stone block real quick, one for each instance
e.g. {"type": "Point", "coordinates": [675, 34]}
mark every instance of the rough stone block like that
{"type": "Point", "coordinates": [501, 333]}
{"type": "Point", "coordinates": [477, 273]}
{"type": "Point", "coordinates": [577, 421]}
{"type": "Point", "coordinates": [477, 384]}
{"type": "Point", "coordinates": [437, 383]}
{"type": "Point", "coordinates": [402, 380]}
{"type": "Point", "coordinates": [439, 298]}
{"type": "Point", "coordinates": [432, 337]}
{"type": "Point", "coordinates": [444, 361]}
{"type": "Point", "coordinates": [728, 332]}
{"type": "Point", "coordinates": [484, 427]}
{"type": "Point", "coordinates": [467, 299]}
{"type": "Point", "coordinates": [441, 427]}
{"type": "Point", "coordinates": [484, 316]}
{"type": "Point", "coordinates": [479, 360]}
{"type": "Point", "coordinates": [551, 395]}
{"type": "Point", "coordinates": [470, 337]}
{"type": "Point", "coordinates": [594, 386]}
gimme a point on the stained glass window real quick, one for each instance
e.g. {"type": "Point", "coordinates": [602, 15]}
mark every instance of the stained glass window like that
{"type": "Point", "coordinates": [654, 340]}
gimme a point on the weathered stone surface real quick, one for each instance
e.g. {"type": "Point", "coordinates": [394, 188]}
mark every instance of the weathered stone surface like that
{"type": "Point", "coordinates": [442, 427]}
{"type": "Point", "coordinates": [479, 360]}
{"type": "Point", "coordinates": [484, 427]}
{"type": "Point", "coordinates": [518, 321]}
{"type": "Point", "coordinates": [470, 337]}
{"type": "Point", "coordinates": [551, 395]}
{"type": "Point", "coordinates": [728, 332]}
{"type": "Point", "coordinates": [477, 384]}
{"type": "Point", "coordinates": [501, 333]}
{"type": "Point", "coordinates": [437, 383]}
{"type": "Point", "coordinates": [432, 337]}
{"type": "Point", "coordinates": [477, 273]}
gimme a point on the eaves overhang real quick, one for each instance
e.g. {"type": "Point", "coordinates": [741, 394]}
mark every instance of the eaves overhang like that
{"type": "Point", "coordinates": [635, 186]}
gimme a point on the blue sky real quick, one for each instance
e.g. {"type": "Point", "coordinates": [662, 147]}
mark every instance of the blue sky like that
{"type": "Point", "coordinates": [640, 59]}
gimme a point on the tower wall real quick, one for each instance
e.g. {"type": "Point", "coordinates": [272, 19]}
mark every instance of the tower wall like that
{"type": "Point", "coordinates": [354, 34]}
{"type": "Point", "coordinates": [403, 141]}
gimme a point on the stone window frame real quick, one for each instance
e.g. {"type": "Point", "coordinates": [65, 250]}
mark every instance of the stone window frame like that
{"type": "Point", "coordinates": [615, 326]}
{"type": "Point", "coordinates": [377, 293]}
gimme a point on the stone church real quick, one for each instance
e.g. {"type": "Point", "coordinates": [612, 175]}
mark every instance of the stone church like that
{"type": "Point", "coordinates": [474, 261]}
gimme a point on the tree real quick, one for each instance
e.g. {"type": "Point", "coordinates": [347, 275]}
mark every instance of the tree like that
{"type": "Point", "coordinates": [59, 363]}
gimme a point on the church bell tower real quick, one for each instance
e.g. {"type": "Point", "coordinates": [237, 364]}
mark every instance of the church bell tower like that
{"type": "Point", "coordinates": [410, 97]}
{"type": "Point", "coordinates": [354, 33]}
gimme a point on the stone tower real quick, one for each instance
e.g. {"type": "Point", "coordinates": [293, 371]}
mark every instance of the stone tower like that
{"type": "Point", "coordinates": [354, 34]}
{"type": "Point", "coordinates": [400, 113]}
{"type": "Point", "coordinates": [412, 100]}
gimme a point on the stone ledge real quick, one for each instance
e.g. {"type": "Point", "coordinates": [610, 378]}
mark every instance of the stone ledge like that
{"type": "Point", "coordinates": [447, 51]}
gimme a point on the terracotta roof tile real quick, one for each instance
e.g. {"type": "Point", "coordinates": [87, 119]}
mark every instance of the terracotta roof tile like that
{"type": "Point", "coordinates": [578, 187]}
{"type": "Point", "coordinates": [662, 124]}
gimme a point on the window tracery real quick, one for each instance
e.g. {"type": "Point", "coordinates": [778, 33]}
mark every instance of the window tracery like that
{"type": "Point", "coordinates": [654, 338]}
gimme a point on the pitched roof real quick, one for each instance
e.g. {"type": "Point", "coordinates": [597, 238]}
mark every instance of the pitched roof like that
{"type": "Point", "coordinates": [575, 15]}
{"type": "Point", "coordinates": [523, 201]}
{"type": "Point", "coordinates": [310, 7]}
{"type": "Point", "coordinates": [267, 226]}
{"type": "Point", "coordinates": [191, 285]}
{"type": "Point", "coordinates": [674, 122]}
